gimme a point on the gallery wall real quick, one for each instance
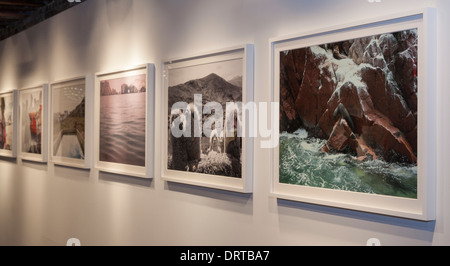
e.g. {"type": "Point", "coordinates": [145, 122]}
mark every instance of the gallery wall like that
{"type": "Point", "coordinates": [44, 204]}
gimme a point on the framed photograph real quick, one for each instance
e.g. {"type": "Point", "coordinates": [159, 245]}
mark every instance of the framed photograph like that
{"type": "Point", "coordinates": [124, 118]}
{"type": "Point", "coordinates": [8, 124]}
{"type": "Point", "coordinates": [70, 122]}
{"type": "Point", "coordinates": [357, 118]}
{"type": "Point", "coordinates": [204, 125]}
{"type": "Point", "coordinates": [33, 124]}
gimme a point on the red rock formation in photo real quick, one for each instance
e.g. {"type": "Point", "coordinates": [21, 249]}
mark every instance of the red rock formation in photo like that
{"type": "Point", "coordinates": [375, 80]}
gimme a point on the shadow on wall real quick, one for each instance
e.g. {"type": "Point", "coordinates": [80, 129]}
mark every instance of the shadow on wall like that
{"type": "Point", "coordinates": [418, 231]}
{"type": "Point", "coordinates": [221, 199]}
{"type": "Point", "coordinates": [128, 180]}
{"type": "Point", "coordinates": [68, 172]}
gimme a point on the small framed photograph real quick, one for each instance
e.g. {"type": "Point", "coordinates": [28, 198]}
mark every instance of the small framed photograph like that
{"type": "Point", "coordinates": [124, 121]}
{"type": "Point", "coordinates": [204, 132]}
{"type": "Point", "coordinates": [357, 118]}
{"type": "Point", "coordinates": [8, 124]}
{"type": "Point", "coordinates": [70, 130]}
{"type": "Point", "coordinates": [33, 124]}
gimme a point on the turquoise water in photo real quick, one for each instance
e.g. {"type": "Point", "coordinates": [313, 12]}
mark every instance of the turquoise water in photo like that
{"type": "Point", "coordinates": [303, 163]}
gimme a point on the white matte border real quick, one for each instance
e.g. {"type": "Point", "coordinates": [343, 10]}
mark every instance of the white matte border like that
{"type": "Point", "coordinates": [240, 185]}
{"type": "Point", "coordinates": [146, 172]}
{"type": "Point", "coordinates": [43, 157]}
{"type": "Point", "coordinates": [422, 208]}
{"type": "Point", "coordinates": [13, 152]}
{"type": "Point", "coordinates": [64, 161]}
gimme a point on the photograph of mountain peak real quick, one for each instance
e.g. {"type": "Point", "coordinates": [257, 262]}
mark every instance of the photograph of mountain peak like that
{"type": "Point", "coordinates": [348, 115]}
{"type": "Point", "coordinates": [217, 154]}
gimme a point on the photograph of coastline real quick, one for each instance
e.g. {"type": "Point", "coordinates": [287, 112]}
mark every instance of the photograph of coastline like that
{"type": "Point", "coordinates": [215, 153]}
{"type": "Point", "coordinates": [348, 115]}
{"type": "Point", "coordinates": [6, 121]}
{"type": "Point", "coordinates": [123, 108]}
{"type": "Point", "coordinates": [31, 112]}
{"type": "Point", "coordinates": [68, 119]}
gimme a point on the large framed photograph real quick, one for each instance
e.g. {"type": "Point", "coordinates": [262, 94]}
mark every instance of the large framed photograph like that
{"type": "Point", "coordinates": [33, 124]}
{"type": "Point", "coordinates": [204, 122]}
{"type": "Point", "coordinates": [124, 118]}
{"type": "Point", "coordinates": [357, 118]}
{"type": "Point", "coordinates": [8, 124]}
{"type": "Point", "coordinates": [70, 129]}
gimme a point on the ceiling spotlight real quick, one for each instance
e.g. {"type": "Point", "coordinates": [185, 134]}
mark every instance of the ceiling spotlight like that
{"type": "Point", "coordinates": [374, 1]}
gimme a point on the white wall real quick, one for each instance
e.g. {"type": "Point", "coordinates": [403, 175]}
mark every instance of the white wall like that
{"type": "Point", "coordinates": [47, 205]}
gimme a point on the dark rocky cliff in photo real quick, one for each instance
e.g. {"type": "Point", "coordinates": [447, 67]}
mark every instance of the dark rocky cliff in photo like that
{"type": "Point", "coordinates": [360, 95]}
{"type": "Point", "coordinates": [214, 155]}
{"type": "Point", "coordinates": [213, 88]}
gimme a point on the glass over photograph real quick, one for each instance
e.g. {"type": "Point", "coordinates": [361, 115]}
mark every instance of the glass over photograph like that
{"type": "Point", "coordinates": [6, 121]}
{"type": "Point", "coordinates": [348, 115]}
{"type": "Point", "coordinates": [31, 112]}
{"type": "Point", "coordinates": [68, 114]}
{"type": "Point", "coordinates": [217, 149]}
{"type": "Point", "coordinates": [123, 121]}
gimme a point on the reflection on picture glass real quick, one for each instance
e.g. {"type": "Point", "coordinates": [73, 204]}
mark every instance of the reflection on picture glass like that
{"type": "Point", "coordinates": [122, 120]}
{"type": "Point", "coordinates": [348, 115]}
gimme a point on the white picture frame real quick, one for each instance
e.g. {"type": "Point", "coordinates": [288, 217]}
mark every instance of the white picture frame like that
{"type": "Point", "coordinates": [421, 207]}
{"type": "Point", "coordinates": [29, 98]}
{"type": "Point", "coordinates": [142, 149]}
{"type": "Point", "coordinates": [181, 70]}
{"type": "Point", "coordinates": [76, 94]}
{"type": "Point", "coordinates": [9, 115]}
